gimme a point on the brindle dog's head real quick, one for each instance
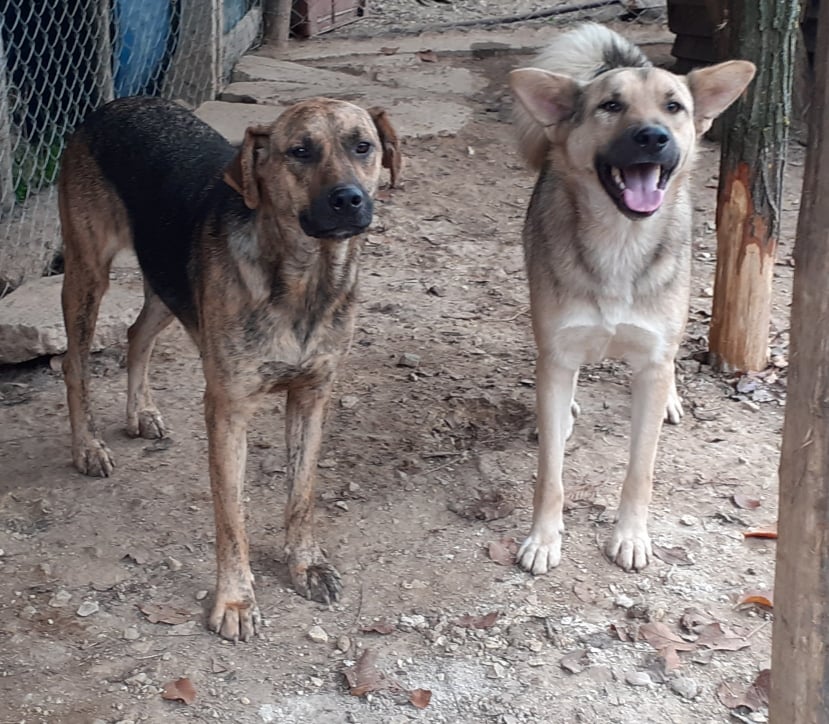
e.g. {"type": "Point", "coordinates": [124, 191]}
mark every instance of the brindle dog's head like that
{"type": "Point", "coordinates": [630, 131]}
{"type": "Point", "coordinates": [318, 165]}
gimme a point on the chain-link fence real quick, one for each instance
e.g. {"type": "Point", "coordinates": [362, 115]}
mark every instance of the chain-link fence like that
{"type": "Point", "coordinates": [59, 59]}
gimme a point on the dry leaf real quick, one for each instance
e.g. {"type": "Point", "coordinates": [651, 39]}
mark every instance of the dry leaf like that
{"type": "Point", "coordinates": [179, 690]}
{"type": "Point", "coordinates": [674, 556]}
{"type": "Point", "coordinates": [166, 613]}
{"type": "Point", "coordinates": [666, 642]}
{"type": "Point", "coordinates": [694, 620]}
{"type": "Point", "coordinates": [758, 598]}
{"type": "Point", "coordinates": [381, 627]}
{"type": "Point", "coordinates": [744, 502]}
{"type": "Point", "coordinates": [364, 677]}
{"type": "Point", "coordinates": [427, 56]}
{"type": "Point", "coordinates": [623, 631]}
{"type": "Point", "coordinates": [487, 621]}
{"type": "Point", "coordinates": [574, 662]}
{"type": "Point", "coordinates": [420, 698]}
{"type": "Point", "coordinates": [488, 505]}
{"type": "Point", "coordinates": [769, 531]}
{"type": "Point", "coordinates": [716, 637]}
{"type": "Point", "coordinates": [753, 698]}
{"type": "Point", "coordinates": [503, 552]}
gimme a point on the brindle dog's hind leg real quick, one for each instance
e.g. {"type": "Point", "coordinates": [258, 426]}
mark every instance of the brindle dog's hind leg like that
{"type": "Point", "coordinates": [143, 417]}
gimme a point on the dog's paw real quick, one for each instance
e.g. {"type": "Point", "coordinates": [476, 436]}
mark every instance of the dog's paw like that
{"type": "Point", "coordinates": [673, 410]}
{"type": "Point", "coordinates": [235, 618]}
{"type": "Point", "coordinates": [92, 457]}
{"type": "Point", "coordinates": [315, 579]}
{"type": "Point", "coordinates": [575, 411]}
{"type": "Point", "coordinates": [629, 549]}
{"type": "Point", "coordinates": [538, 554]}
{"type": "Point", "coordinates": [147, 424]}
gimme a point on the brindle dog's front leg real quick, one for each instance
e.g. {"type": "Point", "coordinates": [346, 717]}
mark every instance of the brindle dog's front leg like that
{"type": "Point", "coordinates": [235, 614]}
{"type": "Point", "coordinates": [312, 575]}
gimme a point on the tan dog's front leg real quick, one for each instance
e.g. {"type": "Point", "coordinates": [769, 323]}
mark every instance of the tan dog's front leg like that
{"type": "Point", "coordinates": [555, 411]}
{"type": "Point", "coordinates": [630, 545]}
{"type": "Point", "coordinates": [312, 575]}
{"type": "Point", "coordinates": [235, 614]}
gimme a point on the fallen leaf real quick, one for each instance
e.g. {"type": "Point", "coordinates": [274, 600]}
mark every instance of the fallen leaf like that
{"type": "Point", "coordinates": [503, 552]}
{"type": "Point", "coordinates": [381, 627]}
{"type": "Point", "coordinates": [744, 502]}
{"type": "Point", "coordinates": [758, 598]}
{"type": "Point", "coordinates": [769, 531]}
{"type": "Point", "coordinates": [488, 505]}
{"type": "Point", "coordinates": [479, 622]}
{"type": "Point", "coordinates": [364, 677]}
{"type": "Point", "coordinates": [753, 698]}
{"type": "Point", "coordinates": [574, 662]}
{"type": "Point", "coordinates": [716, 637]}
{"type": "Point", "coordinates": [388, 51]}
{"type": "Point", "coordinates": [674, 556]}
{"type": "Point", "coordinates": [165, 613]}
{"type": "Point", "coordinates": [420, 698]}
{"type": "Point", "coordinates": [217, 667]}
{"type": "Point", "coordinates": [694, 620]}
{"type": "Point", "coordinates": [623, 631]}
{"type": "Point", "coordinates": [667, 643]}
{"type": "Point", "coordinates": [427, 56]}
{"type": "Point", "coordinates": [179, 690]}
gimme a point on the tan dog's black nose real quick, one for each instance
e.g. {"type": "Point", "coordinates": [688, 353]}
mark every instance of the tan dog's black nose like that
{"type": "Point", "coordinates": [346, 198]}
{"type": "Point", "coordinates": [652, 138]}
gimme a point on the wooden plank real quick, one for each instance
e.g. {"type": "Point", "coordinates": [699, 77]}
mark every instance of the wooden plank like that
{"type": "Point", "coordinates": [800, 654]}
{"type": "Point", "coordinates": [237, 40]}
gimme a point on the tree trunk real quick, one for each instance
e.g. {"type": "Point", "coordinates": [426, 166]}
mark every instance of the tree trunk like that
{"type": "Point", "coordinates": [800, 654]}
{"type": "Point", "coordinates": [751, 180]}
{"type": "Point", "coordinates": [277, 15]}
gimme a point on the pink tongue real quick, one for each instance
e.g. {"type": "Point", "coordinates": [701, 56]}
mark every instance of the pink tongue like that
{"type": "Point", "coordinates": [641, 193]}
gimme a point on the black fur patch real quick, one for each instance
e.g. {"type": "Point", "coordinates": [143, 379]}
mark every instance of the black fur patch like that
{"type": "Point", "coordinates": [622, 55]}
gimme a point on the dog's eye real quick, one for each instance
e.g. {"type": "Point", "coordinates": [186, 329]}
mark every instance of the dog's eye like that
{"type": "Point", "coordinates": [611, 106]}
{"type": "Point", "coordinates": [674, 107]}
{"type": "Point", "coordinates": [362, 148]}
{"type": "Point", "coordinates": [301, 152]}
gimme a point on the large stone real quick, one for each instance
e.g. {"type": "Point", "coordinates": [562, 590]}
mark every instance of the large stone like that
{"type": "Point", "coordinates": [31, 320]}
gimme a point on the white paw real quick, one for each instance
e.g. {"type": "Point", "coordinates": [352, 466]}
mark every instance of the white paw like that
{"type": "Point", "coordinates": [629, 547]}
{"type": "Point", "coordinates": [574, 413]}
{"type": "Point", "coordinates": [673, 410]}
{"type": "Point", "coordinates": [538, 554]}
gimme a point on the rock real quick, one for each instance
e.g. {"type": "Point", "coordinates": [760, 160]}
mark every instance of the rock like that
{"type": "Point", "coordinates": [623, 601]}
{"type": "Point", "coordinates": [408, 359]}
{"type": "Point", "coordinates": [684, 686]}
{"type": "Point", "coordinates": [201, 595]}
{"type": "Point", "coordinates": [131, 634]}
{"type": "Point", "coordinates": [496, 671]}
{"type": "Point", "coordinates": [638, 678]}
{"type": "Point", "coordinates": [267, 713]}
{"type": "Point", "coordinates": [60, 598]}
{"type": "Point", "coordinates": [316, 681]}
{"type": "Point", "coordinates": [174, 564]}
{"type": "Point", "coordinates": [349, 402]}
{"type": "Point", "coordinates": [317, 635]}
{"type": "Point", "coordinates": [689, 520]}
{"type": "Point", "coordinates": [343, 643]}
{"type": "Point", "coordinates": [87, 608]}
{"type": "Point", "coordinates": [413, 621]}
{"type": "Point", "coordinates": [27, 613]}
{"type": "Point", "coordinates": [31, 321]}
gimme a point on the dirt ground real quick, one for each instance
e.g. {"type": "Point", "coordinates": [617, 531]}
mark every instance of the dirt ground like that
{"type": "Point", "coordinates": [408, 451]}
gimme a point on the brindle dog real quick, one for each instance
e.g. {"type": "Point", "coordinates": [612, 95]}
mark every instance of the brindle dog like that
{"type": "Point", "coordinates": [255, 251]}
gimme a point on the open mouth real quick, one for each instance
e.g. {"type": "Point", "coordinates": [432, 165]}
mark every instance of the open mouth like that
{"type": "Point", "coordinates": [638, 189]}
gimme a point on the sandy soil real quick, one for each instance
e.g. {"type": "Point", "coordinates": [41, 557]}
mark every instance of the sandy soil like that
{"type": "Point", "coordinates": [407, 452]}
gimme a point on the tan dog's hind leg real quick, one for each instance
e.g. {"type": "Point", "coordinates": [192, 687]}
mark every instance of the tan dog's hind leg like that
{"type": "Point", "coordinates": [630, 546]}
{"type": "Point", "coordinates": [235, 614]}
{"type": "Point", "coordinates": [143, 417]}
{"type": "Point", "coordinates": [554, 399]}
{"type": "Point", "coordinates": [312, 575]}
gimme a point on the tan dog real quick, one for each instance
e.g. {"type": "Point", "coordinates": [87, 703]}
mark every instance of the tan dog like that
{"type": "Point", "coordinates": [607, 244]}
{"type": "Point", "coordinates": [255, 251]}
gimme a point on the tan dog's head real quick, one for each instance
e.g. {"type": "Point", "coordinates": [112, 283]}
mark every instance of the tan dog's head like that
{"type": "Point", "coordinates": [318, 164]}
{"type": "Point", "coordinates": [633, 130]}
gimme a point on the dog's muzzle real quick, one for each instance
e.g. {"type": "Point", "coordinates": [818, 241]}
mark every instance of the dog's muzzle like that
{"type": "Point", "coordinates": [338, 212]}
{"type": "Point", "coordinates": [635, 168]}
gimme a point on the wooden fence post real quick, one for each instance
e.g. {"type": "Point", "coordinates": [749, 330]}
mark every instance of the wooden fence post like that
{"type": "Point", "coordinates": [800, 647]}
{"type": "Point", "coordinates": [277, 25]}
{"type": "Point", "coordinates": [751, 180]}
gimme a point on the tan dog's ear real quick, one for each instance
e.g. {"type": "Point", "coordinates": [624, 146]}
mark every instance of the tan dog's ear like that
{"type": "Point", "coordinates": [240, 172]}
{"type": "Point", "coordinates": [392, 160]}
{"type": "Point", "coordinates": [717, 87]}
{"type": "Point", "coordinates": [549, 98]}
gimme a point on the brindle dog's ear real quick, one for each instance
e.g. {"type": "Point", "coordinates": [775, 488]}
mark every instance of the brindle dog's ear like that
{"type": "Point", "coordinates": [240, 172]}
{"type": "Point", "coordinates": [392, 160]}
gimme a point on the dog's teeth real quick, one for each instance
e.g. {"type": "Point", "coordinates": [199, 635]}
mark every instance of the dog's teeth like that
{"type": "Point", "coordinates": [617, 177]}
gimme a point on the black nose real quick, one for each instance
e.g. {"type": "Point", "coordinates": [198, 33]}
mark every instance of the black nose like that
{"type": "Point", "coordinates": [652, 138]}
{"type": "Point", "coordinates": [346, 198]}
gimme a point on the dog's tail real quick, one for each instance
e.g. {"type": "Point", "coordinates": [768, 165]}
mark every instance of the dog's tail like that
{"type": "Point", "coordinates": [583, 53]}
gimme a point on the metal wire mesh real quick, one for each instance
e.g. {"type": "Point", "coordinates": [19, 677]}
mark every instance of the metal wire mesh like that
{"type": "Point", "coordinates": [59, 59]}
{"type": "Point", "coordinates": [312, 17]}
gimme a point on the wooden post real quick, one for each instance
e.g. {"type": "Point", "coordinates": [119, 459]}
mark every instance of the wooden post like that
{"type": "Point", "coordinates": [277, 25]}
{"type": "Point", "coordinates": [751, 180]}
{"type": "Point", "coordinates": [7, 197]}
{"type": "Point", "coordinates": [800, 646]}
